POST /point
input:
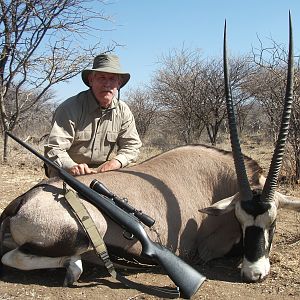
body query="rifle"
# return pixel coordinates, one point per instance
(100, 188)
(183, 275)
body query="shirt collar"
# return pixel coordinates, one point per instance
(94, 105)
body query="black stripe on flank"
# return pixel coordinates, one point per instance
(67, 245)
(254, 243)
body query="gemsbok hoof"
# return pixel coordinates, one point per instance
(74, 270)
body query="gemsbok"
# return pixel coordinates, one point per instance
(236, 203)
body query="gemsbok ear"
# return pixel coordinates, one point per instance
(287, 202)
(221, 207)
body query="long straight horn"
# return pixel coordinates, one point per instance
(242, 178)
(271, 181)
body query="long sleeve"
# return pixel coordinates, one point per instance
(128, 142)
(60, 139)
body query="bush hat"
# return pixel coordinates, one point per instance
(108, 63)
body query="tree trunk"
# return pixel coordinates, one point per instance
(4, 147)
(297, 164)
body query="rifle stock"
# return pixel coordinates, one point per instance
(183, 275)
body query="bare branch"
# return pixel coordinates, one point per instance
(42, 43)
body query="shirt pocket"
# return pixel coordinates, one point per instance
(83, 136)
(110, 143)
(111, 137)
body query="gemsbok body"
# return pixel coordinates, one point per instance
(236, 203)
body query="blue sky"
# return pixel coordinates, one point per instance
(149, 29)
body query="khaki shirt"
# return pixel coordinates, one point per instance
(82, 132)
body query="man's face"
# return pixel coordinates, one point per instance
(104, 86)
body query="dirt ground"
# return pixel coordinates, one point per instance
(223, 280)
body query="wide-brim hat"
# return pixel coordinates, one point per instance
(108, 63)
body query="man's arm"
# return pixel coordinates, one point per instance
(128, 141)
(60, 140)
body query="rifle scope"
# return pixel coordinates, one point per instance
(101, 189)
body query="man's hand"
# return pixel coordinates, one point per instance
(81, 169)
(109, 165)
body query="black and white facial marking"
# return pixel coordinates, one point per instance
(257, 219)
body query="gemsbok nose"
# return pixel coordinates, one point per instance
(255, 272)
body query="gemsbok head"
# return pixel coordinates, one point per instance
(256, 206)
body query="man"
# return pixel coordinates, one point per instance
(87, 127)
